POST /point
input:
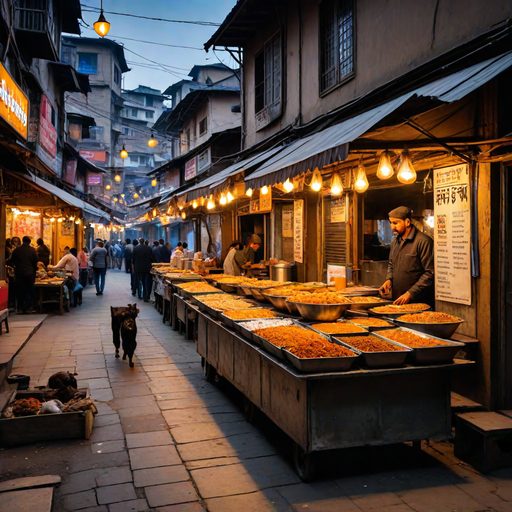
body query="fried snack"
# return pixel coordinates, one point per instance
(198, 287)
(289, 336)
(402, 308)
(319, 298)
(254, 325)
(337, 328)
(264, 283)
(246, 314)
(429, 317)
(25, 407)
(366, 300)
(233, 280)
(370, 322)
(370, 344)
(223, 301)
(317, 350)
(411, 339)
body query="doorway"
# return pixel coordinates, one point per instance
(255, 224)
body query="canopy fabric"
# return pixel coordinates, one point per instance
(331, 144)
(88, 209)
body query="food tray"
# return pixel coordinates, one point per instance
(269, 347)
(228, 288)
(292, 308)
(257, 293)
(372, 328)
(232, 324)
(444, 330)
(310, 326)
(246, 289)
(380, 359)
(392, 315)
(321, 364)
(320, 312)
(430, 355)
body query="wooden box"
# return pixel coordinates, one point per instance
(44, 427)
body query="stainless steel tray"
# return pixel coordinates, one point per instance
(278, 301)
(444, 331)
(310, 326)
(430, 355)
(321, 364)
(392, 315)
(372, 328)
(269, 347)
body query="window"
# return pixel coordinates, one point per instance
(267, 82)
(203, 159)
(203, 125)
(125, 130)
(88, 63)
(117, 75)
(149, 101)
(96, 133)
(134, 112)
(149, 114)
(337, 42)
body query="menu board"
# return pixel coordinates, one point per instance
(298, 230)
(338, 210)
(452, 234)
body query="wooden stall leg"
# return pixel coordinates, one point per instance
(209, 372)
(304, 463)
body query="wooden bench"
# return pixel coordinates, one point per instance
(4, 319)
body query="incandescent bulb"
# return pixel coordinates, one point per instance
(249, 192)
(336, 185)
(223, 200)
(361, 184)
(316, 180)
(385, 169)
(406, 173)
(264, 190)
(288, 185)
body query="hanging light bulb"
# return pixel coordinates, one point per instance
(406, 173)
(60, 219)
(183, 215)
(101, 26)
(336, 185)
(264, 190)
(210, 205)
(154, 212)
(115, 198)
(316, 180)
(288, 186)
(223, 199)
(78, 222)
(117, 178)
(152, 141)
(108, 186)
(123, 153)
(122, 195)
(52, 219)
(249, 192)
(154, 182)
(136, 195)
(194, 204)
(361, 183)
(385, 169)
(230, 197)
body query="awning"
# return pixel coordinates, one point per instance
(93, 212)
(331, 144)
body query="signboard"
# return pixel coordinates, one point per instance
(452, 234)
(266, 201)
(335, 271)
(338, 210)
(190, 169)
(70, 172)
(298, 229)
(287, 221)
(94, 155)
(94, 178)
(47, 132)
(13, 103)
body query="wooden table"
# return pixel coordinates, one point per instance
(51, 292)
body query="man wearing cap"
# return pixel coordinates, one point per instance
(410, 275)
(244, 259)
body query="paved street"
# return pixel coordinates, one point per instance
(167, 440)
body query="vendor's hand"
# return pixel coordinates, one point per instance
(385, 289)
(403, 299)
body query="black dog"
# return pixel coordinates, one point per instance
(129, 338)
(119, 315)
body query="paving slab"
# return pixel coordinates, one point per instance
(33, 500)
(171, 494)
(140, 505)
(160, 475)
(113, 475)
(267, 501)
(157, 438)
(116, 493)
(153, 456)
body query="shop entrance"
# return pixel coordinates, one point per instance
(259, 225)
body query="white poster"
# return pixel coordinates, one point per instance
(338, 210)
(452, 234)
(298, 229)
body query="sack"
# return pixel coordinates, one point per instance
(78, 288)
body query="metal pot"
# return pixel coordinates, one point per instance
(187, 264)
(283, 272)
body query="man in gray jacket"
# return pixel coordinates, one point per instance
(98, 257)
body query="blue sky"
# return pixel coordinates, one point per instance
(178, 60)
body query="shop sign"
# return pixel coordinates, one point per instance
(452, 234)
(14, 103)
(298, 228)
(47, 132)
(70, 172)
(338, 210)
(287, 221)
(94, 178)
(190, 169)
(266, 201)
(94, 155)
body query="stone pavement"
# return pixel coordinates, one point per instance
(166, 440)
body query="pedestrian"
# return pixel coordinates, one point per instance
(128, 249)
(98, 257)
(230, 267)
(410, 274)
(118, 254)
(134, 283)
(69, 262)
(24, 262)
(156, 251)
(43, 253)
(143, 257)
(83, 265)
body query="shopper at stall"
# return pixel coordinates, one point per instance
(163, 253)
(178, 251)
(410, 275)
(128, 250)
(98, 258)
(69, 262)
(143, 257)
(245, 258)
(230, 267)
(43, 253)
(24, 262)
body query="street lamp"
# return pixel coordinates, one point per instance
(102, 26)
(123, 153)
(152, 141)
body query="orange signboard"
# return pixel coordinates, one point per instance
(13, 103)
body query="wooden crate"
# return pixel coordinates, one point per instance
(44, 427)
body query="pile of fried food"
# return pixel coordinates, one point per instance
(370, 344)
(233, 280)
(337, 328)
(319, 298)
(430, 317)
(402, 308)
(366, 300)
(223, 302)
(198, 287)
(303, 343)
(263, 283)
(411, 339)
(249, 313)
(370, 322)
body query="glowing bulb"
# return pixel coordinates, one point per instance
(230, 197)
(406, 173)
(152, 142)
(78, 222)
(72, 217)
(108, 186)
(60, 219)
(288, 186)
(135, 195)
(116, 199)
(210, 205)
(154, 212)
(264, 190)
(117, 178)
(385, 169)
(183, 215)
(101, 26)
(361, 184)
(316, 181)
(249, 192)
(223, 199)
(336, 185)
(52, 219)
(123, 153)
(194, 204)
(154, 182)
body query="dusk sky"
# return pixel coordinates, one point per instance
(177, 61)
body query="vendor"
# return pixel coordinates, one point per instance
(229, 266)
(410, 275)
(244, 258)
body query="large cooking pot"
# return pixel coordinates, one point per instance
(283, 272)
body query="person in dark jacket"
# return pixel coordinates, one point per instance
(142, 258)
(163, 253)
(410, 276)
(24, 261)
(128, 250)
(43, 253)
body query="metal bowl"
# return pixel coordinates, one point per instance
(228, 288)
(444, 330)
(257, 293)
(246, 290)
(320, 312)
(278, 301)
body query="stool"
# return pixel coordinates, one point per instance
(4, 319)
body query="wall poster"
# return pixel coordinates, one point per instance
(452, 234)
(298, 229)
(287, 221)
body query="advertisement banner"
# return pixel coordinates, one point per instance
(298, 229)
(190, 169)
(94, 155)
(47, 132)
(14, 105)
(94, 178)
(70, 172)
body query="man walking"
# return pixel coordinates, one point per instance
(98, 258)
(128, 249)
(142, 258)
(24, 261)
